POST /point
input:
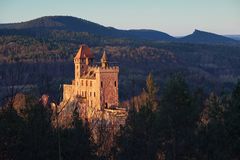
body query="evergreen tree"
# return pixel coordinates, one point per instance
(76, 141)
(176, 120)
(211, 132)
(232, 119)
(11, 134)
(152, 91)
(39, 138)
(136, 140)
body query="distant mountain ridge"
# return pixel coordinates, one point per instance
(236, 37)
(74, 24)
(206, 37)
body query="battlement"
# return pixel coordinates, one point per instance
(104, 69)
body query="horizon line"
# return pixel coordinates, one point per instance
(136, 28)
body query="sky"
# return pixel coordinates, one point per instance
(175, 17)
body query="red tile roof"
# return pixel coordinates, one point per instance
(84, 52)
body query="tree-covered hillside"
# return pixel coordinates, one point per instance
(47, 53)
(205, 65)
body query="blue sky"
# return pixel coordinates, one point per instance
(176, 17)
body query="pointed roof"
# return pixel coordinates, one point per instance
(84, 52)
(104, 57)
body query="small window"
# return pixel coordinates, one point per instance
(90, 94)
(101, 84)
(90, 83)
(91, 103)
(106, 105)
(94, 94)
(82, 82)
(85, 93)
(86, 83)
(115, 84)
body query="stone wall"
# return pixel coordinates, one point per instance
(109, 87)
(67, 91)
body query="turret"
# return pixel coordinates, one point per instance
(104, 61)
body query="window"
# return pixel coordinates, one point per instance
(94, 94)
(90, 94)
(82, 82)
(106, 105)
(90, 83)
(101, 84)
(115, 84)
(85, 93)
(86, 83)
(91, 104)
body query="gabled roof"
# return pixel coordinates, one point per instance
(84, 52)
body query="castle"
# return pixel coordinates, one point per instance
(94, 94)
(96, 84)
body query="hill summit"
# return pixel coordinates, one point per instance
(74, 24)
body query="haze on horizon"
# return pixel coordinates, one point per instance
(175, 17)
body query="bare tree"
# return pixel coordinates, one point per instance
(14, 80)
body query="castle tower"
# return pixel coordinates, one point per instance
(82, 60)
(77, 67)
(108, 83)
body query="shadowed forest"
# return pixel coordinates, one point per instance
(177, 124)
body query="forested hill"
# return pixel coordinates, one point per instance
(74, 24)
(39, 43)
(68, 23)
